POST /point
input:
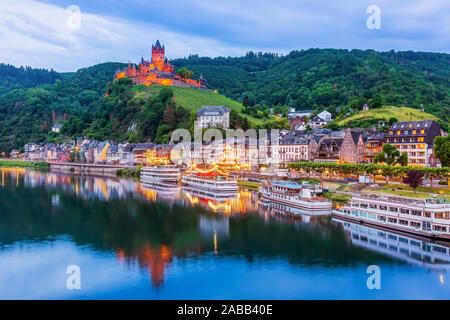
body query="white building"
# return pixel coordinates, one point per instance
(325, 115)
(213, 116)
(300, 114)
(317, 122)
(291, 148)
(57, 127)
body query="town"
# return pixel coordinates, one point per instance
(351, 145)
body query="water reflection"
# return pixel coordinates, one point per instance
(173, 235)
(414, 250)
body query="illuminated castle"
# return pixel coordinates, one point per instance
(157, 71)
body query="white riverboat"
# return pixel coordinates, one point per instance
(210, 187)
(295, 195)
(413, 249)
(426, 217)
(160, 174)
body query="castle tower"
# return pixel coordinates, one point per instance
(158, 55)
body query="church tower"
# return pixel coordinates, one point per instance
(158, 55)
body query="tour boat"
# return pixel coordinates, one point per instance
(160, 173)
(295, 195)
(210, 187)
(428, 217)
(410, 248)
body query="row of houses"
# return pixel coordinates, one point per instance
(352, 145)
(95, 152)
(357, 145)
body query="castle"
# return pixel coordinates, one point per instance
(157, 71)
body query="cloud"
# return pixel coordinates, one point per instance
(35, 33)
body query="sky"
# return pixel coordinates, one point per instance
(54, 34)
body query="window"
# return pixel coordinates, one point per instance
(414, 131)
(420, 139)
(440, 228)
(392, 220)
(403, 222)
(422, 131)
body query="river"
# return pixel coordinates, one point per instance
(131, 242)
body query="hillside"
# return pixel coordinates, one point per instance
(384, 114)
(327, 78)
(25, 77)
(192, 99)
(32, 100)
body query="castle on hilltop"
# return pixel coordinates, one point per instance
(157, 71)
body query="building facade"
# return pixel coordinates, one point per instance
(416, 139)
(213, 116)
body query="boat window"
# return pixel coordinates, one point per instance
(403, 222)
(416, 213)
(392, 237)
(414, 243)
(404, 211)
(439, 249)
(384, 208)
(392, 209)
(392, 220)
(440, 228)
(401, 239)
(414, 224)
(373, 206)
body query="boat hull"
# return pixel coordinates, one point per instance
(312, 206)
(387, 226)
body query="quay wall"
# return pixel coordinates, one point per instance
(85, 169)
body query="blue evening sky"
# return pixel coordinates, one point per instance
(36, 33)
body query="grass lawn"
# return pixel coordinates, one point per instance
(250, 185)
(193, 99)
(401, 113)
(406, 191)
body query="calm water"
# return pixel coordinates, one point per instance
(133, 242)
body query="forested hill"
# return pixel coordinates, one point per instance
(327, 78)
(24, 77)
(32, 100)
(28, 114)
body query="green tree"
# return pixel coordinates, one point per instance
(441, 149)
(390, 155)
(185, 73)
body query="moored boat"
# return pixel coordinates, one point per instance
(428, 217)
(295, 195)
(160, 173)
(212, 187)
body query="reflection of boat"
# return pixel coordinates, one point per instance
(426, 217)
(163, 189)
(288, 211)
(412, 249)
(162, 173)
(295, 195)
(210, 187)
